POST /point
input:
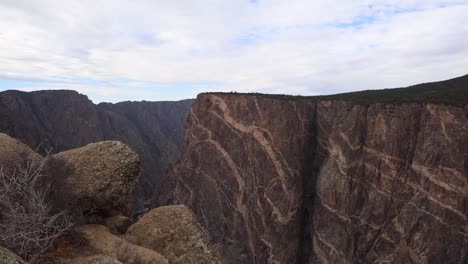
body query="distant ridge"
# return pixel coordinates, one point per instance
(60, 120)
(450, 92)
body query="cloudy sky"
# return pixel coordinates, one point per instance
(115, 50)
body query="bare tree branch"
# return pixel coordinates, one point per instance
(28, 225)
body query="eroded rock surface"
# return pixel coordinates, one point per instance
(14, 153)
(98, 176)
(281, 180)
(8, 257)
(96, 259)
(101, 241)
(174, 232)
(117, 224)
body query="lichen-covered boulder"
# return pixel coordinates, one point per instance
(13, 153)
(102, 241)
(95, 259)
(117, 224)
(98, 176)
(174, 232)
(8, 257)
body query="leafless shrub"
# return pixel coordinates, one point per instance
(28, 223)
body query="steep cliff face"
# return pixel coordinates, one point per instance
(152, 129)
(392, 185)
(63, 120)
(307, 180)
(241, 172)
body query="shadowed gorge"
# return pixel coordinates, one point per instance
(279, 179)
(62, 120)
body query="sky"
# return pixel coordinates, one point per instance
(118, 50)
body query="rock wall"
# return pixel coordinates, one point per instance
(62, 120)
(392, 186)
(302, 180)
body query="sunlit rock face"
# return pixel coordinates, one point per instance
(305, 180)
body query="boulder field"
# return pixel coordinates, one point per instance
(94, 183)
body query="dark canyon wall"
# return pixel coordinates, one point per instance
(62, 120)
(326, 180)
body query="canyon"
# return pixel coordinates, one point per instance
(59, 120)
(376, 176)
(369, 177)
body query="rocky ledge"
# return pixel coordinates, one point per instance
(93, 184)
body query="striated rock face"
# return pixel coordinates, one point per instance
(392, 184)
(241, 172)
(97, 176)
(298, 180)
(175, 233)
(64, 120)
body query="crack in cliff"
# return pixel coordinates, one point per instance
(447, 117)
(258, 108)
(311, 165)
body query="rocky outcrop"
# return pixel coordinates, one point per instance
(8, 257)
(117, 224)
(101, 241)
(96, 259)
(98, 176)
(174, 232)
(62, 120)
(313, 180)
(13, 153)
(168, 234)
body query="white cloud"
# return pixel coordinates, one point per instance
(297, 47)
